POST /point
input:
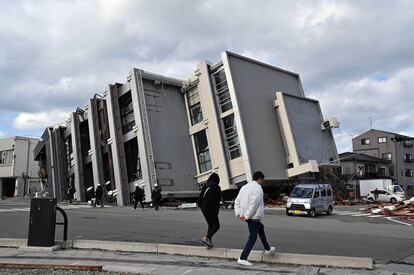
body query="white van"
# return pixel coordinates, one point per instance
(310, 199)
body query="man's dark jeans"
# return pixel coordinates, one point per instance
(255, 228)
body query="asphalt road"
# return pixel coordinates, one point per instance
(345, 233)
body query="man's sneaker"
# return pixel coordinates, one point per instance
(207, 241)
(244, 262)
(270, 251)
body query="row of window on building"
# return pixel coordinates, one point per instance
(367, 141)
(224, 104)
(406, 157)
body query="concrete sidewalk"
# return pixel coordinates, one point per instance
(146, 263)
(141, 258)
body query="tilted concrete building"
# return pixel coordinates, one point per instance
(233, 118)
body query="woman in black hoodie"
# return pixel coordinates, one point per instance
(209, 201)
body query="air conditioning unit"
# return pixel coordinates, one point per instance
(330, 123)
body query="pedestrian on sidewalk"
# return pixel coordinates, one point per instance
(156, 196)
(209, 202)
(99, 195)
(138, 196)
(249, 207)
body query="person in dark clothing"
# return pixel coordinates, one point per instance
(376, 192)
(99, 194)
(138, 196)
(156, 196)
(209, 202)
(71, 192)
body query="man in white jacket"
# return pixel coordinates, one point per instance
(249, 207)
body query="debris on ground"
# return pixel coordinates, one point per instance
(404, 209)
(274, 203)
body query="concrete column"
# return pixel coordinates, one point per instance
(237, 119)
(144, 150)
(112, 106)
(211, 118)
(93, 138)
(77, 156)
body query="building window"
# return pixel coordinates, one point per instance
(408, 172)
(68, 152)
(6, 157)
(194, 106)
(360, 170)
(232, 138)
(387, 156)
(222, 90)
(132, 160)
(126, 112)
(381, 171)
(365, 141)
(408, 144)
(408, 157)
(203, 153)
(382, 140)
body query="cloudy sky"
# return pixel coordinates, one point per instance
(355, 57)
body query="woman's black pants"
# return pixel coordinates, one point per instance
(213, 223)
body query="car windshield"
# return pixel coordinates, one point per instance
(398, 189)
(302, 192)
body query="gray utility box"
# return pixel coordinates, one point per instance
(42, 222)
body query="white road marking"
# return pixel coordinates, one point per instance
(361, 215)
(347, 213)
(391, 219)
(375, 216)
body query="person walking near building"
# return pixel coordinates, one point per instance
(249, 207)
(138, 196)
(99, 194)
(156, 196)
(209, 201)
(71, 192)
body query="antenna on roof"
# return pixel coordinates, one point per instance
(370, 121)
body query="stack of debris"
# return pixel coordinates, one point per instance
(280, 201)
(404, 210)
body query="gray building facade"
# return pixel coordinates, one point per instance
(18, 170)
(380, 144)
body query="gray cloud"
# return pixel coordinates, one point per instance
(54, 55)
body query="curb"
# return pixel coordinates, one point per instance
(200, 251)
(48, 266)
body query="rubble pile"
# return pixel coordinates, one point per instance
(404, 210)
(273, 203)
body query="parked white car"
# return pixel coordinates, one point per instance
(385, 196)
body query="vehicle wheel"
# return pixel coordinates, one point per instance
(393, 200)
(329, 212)
(312, 213)
(371, 199)
(287, 212)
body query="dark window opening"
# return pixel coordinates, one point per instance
(68, 152)
(127, 112)
(132, 160)
(222, 90)
(194, 106)
(232, 138)
(203, 153)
